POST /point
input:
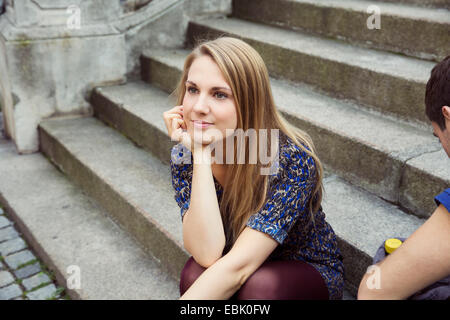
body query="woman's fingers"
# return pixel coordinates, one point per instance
(174, 120)
(170, 116)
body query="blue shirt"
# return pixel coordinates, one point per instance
(285, 215)
(444, 199)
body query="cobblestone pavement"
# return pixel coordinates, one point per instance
(22, 275)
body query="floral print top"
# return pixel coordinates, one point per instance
(285, 215)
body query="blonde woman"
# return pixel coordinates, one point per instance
(252, 235)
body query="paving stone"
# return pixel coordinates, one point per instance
(4, 222)
(42, 293)
(8, 233)
(28, 270)
(10, 292)
(11, 246)
(6, 278)
(36, 280)
(16, 259)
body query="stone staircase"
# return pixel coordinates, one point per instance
(359, 93)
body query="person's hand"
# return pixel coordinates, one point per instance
(176, 126)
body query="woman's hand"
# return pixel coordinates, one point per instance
(176, 126)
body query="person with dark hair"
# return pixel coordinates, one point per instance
(424, 258)
(437, 102)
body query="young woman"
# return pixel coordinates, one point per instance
(251, 235)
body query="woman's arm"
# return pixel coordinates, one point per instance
(203, 232)
(229, 273)
(421, 260)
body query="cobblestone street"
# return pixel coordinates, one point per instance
(22, 275)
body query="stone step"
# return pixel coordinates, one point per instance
(385, 81)
(131, 173)
(410, 30)
(130, 183)
(67, 228)
(366, 149)
(423, 3)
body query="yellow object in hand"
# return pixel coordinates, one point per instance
(390, 245)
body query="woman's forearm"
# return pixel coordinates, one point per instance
(218, 282)
(203, 232)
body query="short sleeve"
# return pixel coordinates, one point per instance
(181, 169)
(444, 199)
(288, 196)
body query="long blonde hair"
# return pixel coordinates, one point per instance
(246, 73)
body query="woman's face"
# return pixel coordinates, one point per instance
(208, 98)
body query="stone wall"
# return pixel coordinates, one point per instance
(56, 51)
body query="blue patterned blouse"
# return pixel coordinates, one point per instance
(285, 215)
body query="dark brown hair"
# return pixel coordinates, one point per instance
(437, 93)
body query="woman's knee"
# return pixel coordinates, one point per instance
(284, 280)
(191, 271)
(262, 285)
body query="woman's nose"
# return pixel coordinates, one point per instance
(201, 105)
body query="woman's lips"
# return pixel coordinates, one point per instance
(201, 125)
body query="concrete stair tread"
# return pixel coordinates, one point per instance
(427, 163)
(66, 228)
(132, 172)
(421, 3)
(378, 61)
(363, 219)
(394, 9)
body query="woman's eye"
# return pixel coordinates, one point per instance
(192, 90)
(220, 95)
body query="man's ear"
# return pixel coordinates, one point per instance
(446, 112)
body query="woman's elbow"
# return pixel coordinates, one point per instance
(205, 257)
(206, 263)
(204, 260)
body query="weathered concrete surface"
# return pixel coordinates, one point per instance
(6, 98)
(389, 82)
(163, 24)
(424, 178)
(425, 3)
(362, 223)
(131, 184)
(127, 109)
(419, 32)
(54, 64)
(41, 13)
(66, 228)
(58, 86)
